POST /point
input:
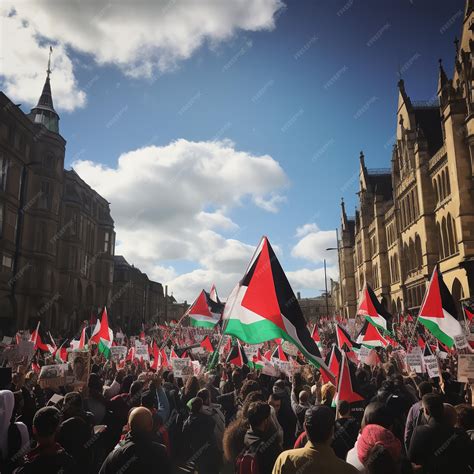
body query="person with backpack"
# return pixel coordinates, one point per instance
(262, 445)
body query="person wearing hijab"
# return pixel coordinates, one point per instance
(14, 437)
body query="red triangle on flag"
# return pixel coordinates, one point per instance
(200, 306)
(260, 297)
(469, 314)
(207, 344)
(281, 354)
(366, 305)
(432, 306)
(315, 334)
(345, 390)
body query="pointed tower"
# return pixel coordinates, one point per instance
(44, 112)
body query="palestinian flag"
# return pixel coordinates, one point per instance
(42, 341)
(438, 311)
(237, 356)
(315, 336)
(370, 336)
(164, 359)
(200, 313)
(141, 336)
(257, 361)
(280, 354)
(131, 354)
(333, 361)
(60, 354)
(103, 335)
(263, 307)
(346, 384)
(469, 313)
(82, 340)
(173, 354)
(207, 344)
(373, 311)
(344, 341)
(156, 356)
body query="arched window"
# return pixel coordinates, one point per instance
(440, 241)
(435, 190)
(444, 232)
(415, 204)
(419, 256)
(453, 245)
(448, 184)
(395, 266)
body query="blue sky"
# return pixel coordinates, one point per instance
(310, 84)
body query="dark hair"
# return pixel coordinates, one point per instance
(203, 394)
(465, 417)
(433, 404)
(195, 405)
(191, 388)
(149, 400)
(319, 423)
(136, 387)
(257, 413)
(380, 461)
(46, 421)
(343, 407)
(376, 413)
(247, 387)
(94, 382)
(424, 388)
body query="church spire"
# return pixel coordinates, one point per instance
(44, 111)
(442, 78)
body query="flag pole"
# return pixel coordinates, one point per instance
(213, 362)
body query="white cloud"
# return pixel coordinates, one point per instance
(306, 229)
(270, 204)
(311, 279)
(24, 62)
(313, 244)
(161, 200)
(143, 38)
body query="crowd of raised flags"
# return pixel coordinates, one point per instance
(262, 317)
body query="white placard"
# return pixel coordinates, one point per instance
(118, 353)
(141, 351)
(415, 359)
(460, 341)
(465, 367)
(251, 351)
(182, 367)
(282, 366)
(7, 340)
(363, 354)
(432, 367)
(196, 367)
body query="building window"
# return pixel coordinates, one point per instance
(45, 199)
(106, 242)
(3, 172)
(7, 262)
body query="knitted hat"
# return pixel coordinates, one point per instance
(373, 435)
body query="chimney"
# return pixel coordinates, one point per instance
(298, 295)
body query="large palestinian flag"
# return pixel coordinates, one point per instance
(347, 389)
(103, 336)
(263, 307)
(200, 312)
(438, 312)
(369, 336)
(373, 311)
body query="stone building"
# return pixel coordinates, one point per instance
(135, 298)
(56, 233)
(419, 212)
(315, 308)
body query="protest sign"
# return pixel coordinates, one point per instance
(52, 376)
(460, 341)
(282, 366)
(79, 366)
(118, 353)
(182, 367)
(26, 349)
(7, 340)
(363, 354)
(466, 368)
(432, 367)
(141, 351)
(196, 367)
(415, 359)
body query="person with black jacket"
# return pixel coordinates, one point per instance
(139, 452)
(261, 439)
(437, 446)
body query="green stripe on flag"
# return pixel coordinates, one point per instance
(104, 348)
(436, 331)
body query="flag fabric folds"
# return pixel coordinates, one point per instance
(438, 311)
(373, 311)
(263, 307)
(200, 312)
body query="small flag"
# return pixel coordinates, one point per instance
(373, 311)
(207, 344)
(237, 356)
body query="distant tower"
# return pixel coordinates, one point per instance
(44, 111)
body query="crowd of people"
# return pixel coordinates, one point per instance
(229, 419)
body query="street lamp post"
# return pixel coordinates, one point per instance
(326, 288)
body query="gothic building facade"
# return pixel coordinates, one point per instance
(56, 233)
(420, 212)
